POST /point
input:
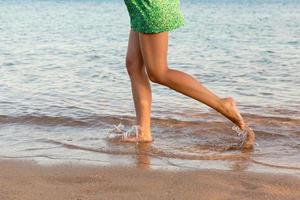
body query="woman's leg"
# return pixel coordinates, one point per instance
(154, 48)
(140, 86)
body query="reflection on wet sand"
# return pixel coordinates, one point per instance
(244, 162)
(142, 157)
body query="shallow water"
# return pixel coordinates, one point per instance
(64, 85)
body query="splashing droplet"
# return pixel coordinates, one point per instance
(247, 137)
(119, 132)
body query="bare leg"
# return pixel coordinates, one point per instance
(140, 86)
(154, 48)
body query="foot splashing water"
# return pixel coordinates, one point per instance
(118, 133)
(247, 137)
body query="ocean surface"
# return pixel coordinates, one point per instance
(64, 85)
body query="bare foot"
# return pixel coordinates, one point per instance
(137, 135)
(249, 140)
(137, 139)
(230, 111)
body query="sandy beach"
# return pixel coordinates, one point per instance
(26, 180)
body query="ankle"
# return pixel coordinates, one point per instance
(144, 132)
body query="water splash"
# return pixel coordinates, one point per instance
(247, 137)
(241, 133)
(119, 132)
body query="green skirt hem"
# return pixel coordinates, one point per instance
(158, 30)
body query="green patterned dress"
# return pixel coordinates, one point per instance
(154, 16)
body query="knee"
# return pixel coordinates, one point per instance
(157, 77)
(133, 66)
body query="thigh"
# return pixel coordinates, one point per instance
(133, 56)
(154, 49)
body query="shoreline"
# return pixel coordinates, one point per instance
(25, 179)
(243, 162)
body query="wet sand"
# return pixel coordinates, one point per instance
(26, 180)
